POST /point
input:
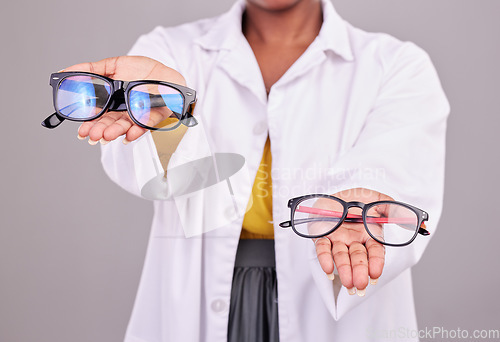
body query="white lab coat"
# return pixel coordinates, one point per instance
(357, 109)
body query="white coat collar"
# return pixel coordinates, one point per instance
(226, 32)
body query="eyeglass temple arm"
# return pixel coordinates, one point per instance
(288, 224)
(52, 121)
(158, 101)
(118, 100)
(354, 218)
(190, 120)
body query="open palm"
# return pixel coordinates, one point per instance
(111, 125)
(355, 254)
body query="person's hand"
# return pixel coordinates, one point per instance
(356, 255)
(111, 125)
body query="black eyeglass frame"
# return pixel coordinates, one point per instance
(294, 202)
(118, 100)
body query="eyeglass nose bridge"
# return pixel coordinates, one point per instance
(119, 85)
(355, 204)
(118, 96)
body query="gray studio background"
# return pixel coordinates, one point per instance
(72, 243)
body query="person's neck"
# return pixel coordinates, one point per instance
(297, 25)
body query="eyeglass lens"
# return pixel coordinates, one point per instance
(317, 216)
(389, 223)
(82, 97)
(156, 106)
(152, 105)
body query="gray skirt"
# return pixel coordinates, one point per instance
(253, 314)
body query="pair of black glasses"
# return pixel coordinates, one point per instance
(154, 105)
(390, 223)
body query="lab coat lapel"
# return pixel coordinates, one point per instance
(235, 56)
(310, 59)
(241, 65)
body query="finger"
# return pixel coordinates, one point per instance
(110, 127)
(84, 129)
(117, 128)
(359, 264)
(108, 119)
(325, 257)
(376, 258)
(343, 262)
(135, 132)
(103, 123)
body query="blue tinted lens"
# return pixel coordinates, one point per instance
(82, 97)
(175, 102)
(140, 105)
(156, 106)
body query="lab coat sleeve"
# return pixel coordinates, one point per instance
(132, 166)
(400, 152)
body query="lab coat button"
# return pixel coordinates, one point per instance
(260, 128)
(218, 305)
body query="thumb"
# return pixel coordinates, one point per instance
(130, 68)
(105, 67)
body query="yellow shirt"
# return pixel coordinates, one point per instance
(257, 223)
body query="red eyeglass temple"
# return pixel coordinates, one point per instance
(331, 213)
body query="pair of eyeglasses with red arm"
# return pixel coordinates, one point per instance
(387, 222)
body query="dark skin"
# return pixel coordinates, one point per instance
(279, 31)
